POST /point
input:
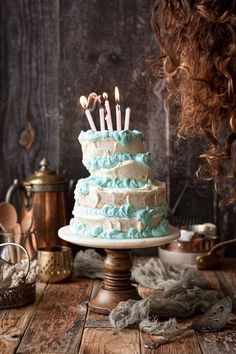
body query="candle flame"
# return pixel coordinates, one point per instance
(83, 101)
(105, 96)
(117, 94)
(92, 101)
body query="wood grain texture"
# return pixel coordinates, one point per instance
(57, 325)
(52, 51)
(93, 319)
(29, 86)
(14, 322)
(212, 279)
(103, 341)
(101, 47)
(185, 345)
(227, 279)
(223, 341)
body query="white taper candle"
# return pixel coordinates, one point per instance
(84, 104)
(118, 112)
(108, 109)
(127, 118)
(118, 117)
(90, 120)
(102, 118)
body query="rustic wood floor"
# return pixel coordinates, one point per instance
(59, 322)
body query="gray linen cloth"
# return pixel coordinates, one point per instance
(185, 292)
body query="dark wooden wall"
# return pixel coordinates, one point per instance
(52, 51)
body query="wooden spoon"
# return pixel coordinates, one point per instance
(8, 219)
(8, 216)
(17, 234)
(7, 254)
(26, 225)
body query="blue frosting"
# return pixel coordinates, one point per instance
(124, 211)
(124, 137)
(162, 229)
(111, 161)
(83, 184)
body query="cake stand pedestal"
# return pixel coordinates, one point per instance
(116, 285)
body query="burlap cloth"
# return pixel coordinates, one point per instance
(185, 292)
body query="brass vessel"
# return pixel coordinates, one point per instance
(55, 264)
(44, 197)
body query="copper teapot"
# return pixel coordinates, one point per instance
(45, 197)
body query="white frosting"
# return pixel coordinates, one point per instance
(151, 196)
(121, 224)
(127, 169)
(108, 147)
(138, 198)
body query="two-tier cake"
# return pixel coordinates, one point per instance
(120, 199)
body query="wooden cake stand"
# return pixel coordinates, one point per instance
(116, 285)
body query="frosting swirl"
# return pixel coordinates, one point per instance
(124, 137)
(83, 184)
(162, 229)
(111, 161)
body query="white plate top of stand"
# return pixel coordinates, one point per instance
(66, 234)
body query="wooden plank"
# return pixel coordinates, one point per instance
(13, 323)
(227, 278)
(103, 341)
(58, 322)
(221, 342)
(88, 46)
(96, 320)
(212, 279)
(29, 60)
(100, 48)
(185, 345)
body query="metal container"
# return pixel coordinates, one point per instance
(185, 251)
(44, 197)
(55, 264)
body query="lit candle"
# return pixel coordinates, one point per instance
(118, 112)
(127, 118)
(102, 118)
(84, 104)
(108, 115)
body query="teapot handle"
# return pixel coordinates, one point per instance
(13, 188)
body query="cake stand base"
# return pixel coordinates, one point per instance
(116, 286)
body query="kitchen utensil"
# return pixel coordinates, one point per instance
(195, 240)
(17, 237)
(26, 224)
(44, 197)
(213, 258)
(8, 216)
(8, 220)
(55, 264)
(213, 320)
(26, 229)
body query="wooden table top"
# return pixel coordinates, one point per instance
(59, 322)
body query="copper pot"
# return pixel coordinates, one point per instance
(44, 197)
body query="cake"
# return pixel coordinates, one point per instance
(120, 199)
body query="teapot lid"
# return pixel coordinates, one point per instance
(45, 176)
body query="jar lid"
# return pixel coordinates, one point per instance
(44, 176)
